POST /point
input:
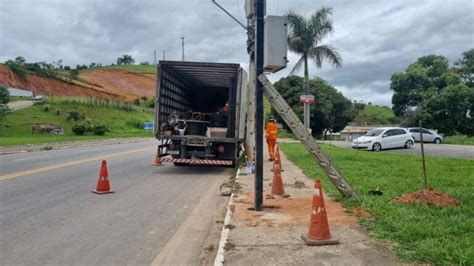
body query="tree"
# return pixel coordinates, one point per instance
(429, 74)
(465, 67)
(125, 60)
(4, 99)
(305, 37)
(429, 91)
(331, 112)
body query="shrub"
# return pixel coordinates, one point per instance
(100, 129)
(136, 123)
(46, 108)
(58, 112)
(79, 129)
(75, 115)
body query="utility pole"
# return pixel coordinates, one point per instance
(182, 48)
(164, 55)
(259, 120)
(154, 56)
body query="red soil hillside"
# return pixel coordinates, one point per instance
(106, 83)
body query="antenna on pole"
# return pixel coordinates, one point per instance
(182, 48)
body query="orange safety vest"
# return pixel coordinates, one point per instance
(271, 132)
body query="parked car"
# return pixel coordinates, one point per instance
(384, 138)
(428, 136)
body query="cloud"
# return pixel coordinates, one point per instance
(375, 38)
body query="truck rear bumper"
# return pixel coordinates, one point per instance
(197, 161)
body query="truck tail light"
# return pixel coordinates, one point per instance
(221, 149)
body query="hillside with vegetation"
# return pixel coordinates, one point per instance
(368, 114)
(124, 82)
(79, 118)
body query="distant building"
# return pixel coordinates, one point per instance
(351, 132)
(19, 92)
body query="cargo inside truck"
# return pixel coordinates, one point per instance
(199, 113)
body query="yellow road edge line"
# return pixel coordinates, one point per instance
(56, 166)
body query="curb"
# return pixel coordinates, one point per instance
(220, 259)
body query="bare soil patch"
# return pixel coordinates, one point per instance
(428, 197)
(287, 212)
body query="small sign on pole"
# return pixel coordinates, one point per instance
(307, 98)
(148, 126)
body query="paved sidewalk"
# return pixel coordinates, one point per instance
(273, 236)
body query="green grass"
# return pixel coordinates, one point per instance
(420, 234)
(459, 139)
(140, 69)
(122, 122)
(20, 98)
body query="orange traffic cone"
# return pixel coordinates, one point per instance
(277, 183)
(103, 185)
(318, 233)
(277, 159)
(157, 161)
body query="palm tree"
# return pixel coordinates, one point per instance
(304, 38)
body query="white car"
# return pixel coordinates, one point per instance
(428, 136)
(384, 138)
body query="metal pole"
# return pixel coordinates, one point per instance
(154, 56)
(164, 55)
(182, 48)
(260, 10)
(423, 154)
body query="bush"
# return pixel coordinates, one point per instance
(100, 129)
(75, 115)
(135, 123)
(79, 129)
(58, 112)
(46, 108)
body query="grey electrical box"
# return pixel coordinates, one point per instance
(275, 43)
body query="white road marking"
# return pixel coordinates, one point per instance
(31, 158)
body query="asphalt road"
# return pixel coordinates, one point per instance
(48, 214)
(431, 149)
(17, 105)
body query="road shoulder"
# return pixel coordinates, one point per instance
(196, 238)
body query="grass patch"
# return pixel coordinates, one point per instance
(20, 98)
(16, 127)
(140, 69)
(421, 234)
(459, 139)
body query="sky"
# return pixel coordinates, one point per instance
(375, 38)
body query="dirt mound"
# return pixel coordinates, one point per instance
(103, 83)
(429, 197)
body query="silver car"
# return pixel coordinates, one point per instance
(428, 136)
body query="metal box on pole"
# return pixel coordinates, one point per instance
(275, 50)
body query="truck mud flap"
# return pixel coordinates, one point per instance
(197, 161)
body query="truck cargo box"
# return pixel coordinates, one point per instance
(200, 112)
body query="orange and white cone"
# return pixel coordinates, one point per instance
(277, 182)
(277, 159)
(318, 233)
(157, 161)
(103, 185)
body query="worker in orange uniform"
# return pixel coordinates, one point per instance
(271, 134)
